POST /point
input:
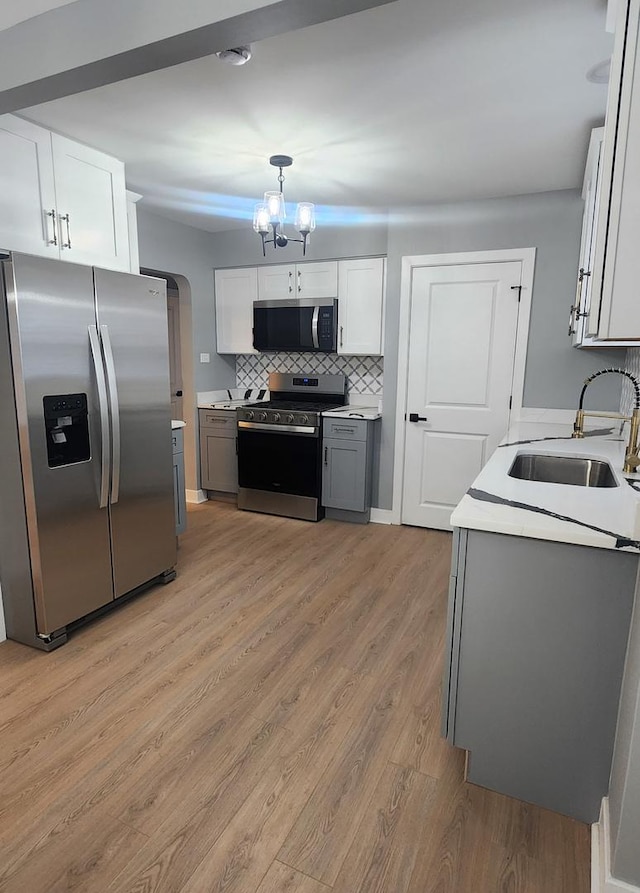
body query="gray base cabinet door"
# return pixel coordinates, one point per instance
(344, 475)
(180, 499)
(179, 484)
(537, 640)
(218, 455)
(219, 464)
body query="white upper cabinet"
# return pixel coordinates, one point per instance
(92, 205)
(360, 306)
(61, 199)
(615, 309)
(313, 280)
(276, 282)
(236, 290)
(29, 220)
(317, 280)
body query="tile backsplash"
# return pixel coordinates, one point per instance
(364, 374)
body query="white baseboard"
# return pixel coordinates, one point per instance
(196, 496)
(601, 879)
(383, 516)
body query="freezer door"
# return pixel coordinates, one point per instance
(132, 317)
(51, 311)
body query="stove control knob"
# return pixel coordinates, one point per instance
(304, 419)
(262, 416)
(275, 417)
(290, 419)
(250, 414)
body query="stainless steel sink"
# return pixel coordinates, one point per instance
(563, 470)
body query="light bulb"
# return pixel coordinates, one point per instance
(261, 218)
(305, 217)
(275, 203)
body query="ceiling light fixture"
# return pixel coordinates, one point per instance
(270, 214)
(235, 56)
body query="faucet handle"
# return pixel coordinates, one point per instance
(578, 425)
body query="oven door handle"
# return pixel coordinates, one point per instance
(314, 327)
(299, 430)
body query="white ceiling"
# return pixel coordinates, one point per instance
(12, 12)
(408, 103)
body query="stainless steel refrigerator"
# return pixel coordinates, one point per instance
(86, 477)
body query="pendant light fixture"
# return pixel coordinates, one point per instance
(270, 214)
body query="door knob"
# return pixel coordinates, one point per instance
(414, 417)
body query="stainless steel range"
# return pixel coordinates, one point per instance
(280, 445)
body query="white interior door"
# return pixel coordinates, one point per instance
(461, 353)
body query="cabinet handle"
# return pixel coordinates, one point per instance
(65, 218)
(290, 285)
(326, 455)
(341, 331)
(52, 214)
(572, 316)
(299, 285)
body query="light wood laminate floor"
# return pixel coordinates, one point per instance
(269, 722)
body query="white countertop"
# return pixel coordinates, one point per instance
(232, 398)
(605, 517)
(354, 411)
(177, 423)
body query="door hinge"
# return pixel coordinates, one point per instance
(517, 288)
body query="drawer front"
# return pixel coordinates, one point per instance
(218, 423)
(347, 430)
(178, 440)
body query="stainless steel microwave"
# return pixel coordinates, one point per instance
(296, 324)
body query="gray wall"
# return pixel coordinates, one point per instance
(550, 222)
(185, 251)
(242, 248)
(624, 792)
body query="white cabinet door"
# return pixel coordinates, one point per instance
(276, 282)
(91, 204)
(317, 280)
(236, 290)
(360, 304)
(28, 222)
(615, 309)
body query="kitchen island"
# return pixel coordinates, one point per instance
(541, 593)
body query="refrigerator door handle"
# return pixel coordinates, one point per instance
(115, 414)
(105, 461)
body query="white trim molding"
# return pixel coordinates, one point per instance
(382, 516)
(527, 257)
(196, 496)
(601, 879)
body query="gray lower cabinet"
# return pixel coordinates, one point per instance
(180, 497)
(536, 635)
(347, 451)
(218, 457)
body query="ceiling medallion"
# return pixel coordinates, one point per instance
(270, 214)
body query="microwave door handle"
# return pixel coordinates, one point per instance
(314, 327)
